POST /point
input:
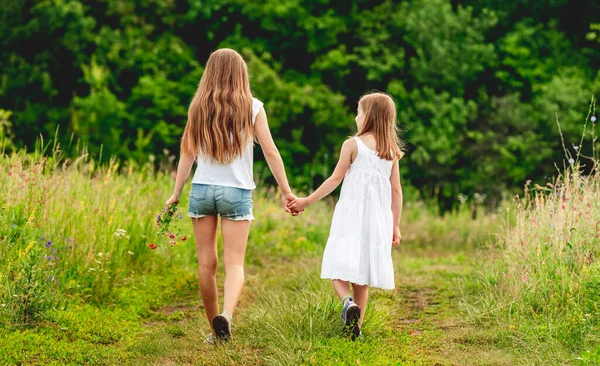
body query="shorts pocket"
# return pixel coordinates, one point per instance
(199, 192)
(232, 195)
(247, 196)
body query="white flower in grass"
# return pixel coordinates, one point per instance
(575, 147)
(120, 232)
(571, 161)
(593, 119)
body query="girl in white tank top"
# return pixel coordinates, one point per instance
(219, 136)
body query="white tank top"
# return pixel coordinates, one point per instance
(236, 174)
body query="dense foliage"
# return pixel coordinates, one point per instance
(477, 83)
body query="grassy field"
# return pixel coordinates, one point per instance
(80, 284)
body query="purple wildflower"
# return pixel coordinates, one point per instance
(48, 244)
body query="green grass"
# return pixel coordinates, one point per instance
(104, 297)
(543, 281)
(287, 316)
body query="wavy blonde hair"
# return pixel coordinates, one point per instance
(380, 120)
(219, 124)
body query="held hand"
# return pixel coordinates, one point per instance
(286, 198)
(172, 200)
(298, 205)
(396, 237)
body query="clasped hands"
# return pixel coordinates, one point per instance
(293, 204)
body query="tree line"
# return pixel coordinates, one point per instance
(477, 83)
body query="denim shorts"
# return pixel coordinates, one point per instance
(228, 202)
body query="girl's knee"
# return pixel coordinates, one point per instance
(208, 266)
(234, 267)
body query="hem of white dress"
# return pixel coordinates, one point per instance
(360, 283)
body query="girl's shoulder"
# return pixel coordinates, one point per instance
(256, 103)
(350, 143)
(256, 107)
(352, 147)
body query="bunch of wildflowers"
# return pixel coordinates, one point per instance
(168, 232)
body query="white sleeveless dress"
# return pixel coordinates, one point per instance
(359, 248)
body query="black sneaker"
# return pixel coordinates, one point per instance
(350, 316)
(222, 326)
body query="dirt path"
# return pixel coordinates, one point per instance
(428, 309)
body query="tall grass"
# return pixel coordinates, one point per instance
(423, 227)
(82, 227)
(75, 230)
(542, 281)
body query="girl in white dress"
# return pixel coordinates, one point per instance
(366, 220)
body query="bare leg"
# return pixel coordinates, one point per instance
(205, 231)
(342, 289)
(361, 297)
(235, 239)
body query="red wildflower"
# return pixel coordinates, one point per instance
(152, 246)
(172, 236)
(184, 238)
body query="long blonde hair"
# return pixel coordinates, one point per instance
(219, 124)
(380, 120)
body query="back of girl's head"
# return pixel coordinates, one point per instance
(219, 124)
(379, 114)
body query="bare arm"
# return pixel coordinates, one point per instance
(183, 171)
(348, 150)
(396, 202)
(271, 153)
